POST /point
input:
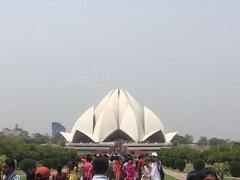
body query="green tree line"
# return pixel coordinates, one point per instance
(39, 148)
(225, 156)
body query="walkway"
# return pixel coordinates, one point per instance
(177, 175)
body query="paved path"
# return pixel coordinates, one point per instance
(177, 175)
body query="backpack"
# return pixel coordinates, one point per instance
(160, 169)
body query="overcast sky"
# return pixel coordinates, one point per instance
(181, 59)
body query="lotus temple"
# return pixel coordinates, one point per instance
(118, 116)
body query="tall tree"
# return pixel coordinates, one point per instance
(178, 140)
(216, 141)
(203, 141)
(189, 138)
(38, 138)
(58, 139)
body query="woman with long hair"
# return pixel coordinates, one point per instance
(146, 169)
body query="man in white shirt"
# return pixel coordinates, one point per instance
(155, 172)
(100, 167)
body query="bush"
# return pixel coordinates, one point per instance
(234, 168)
(172, 163)
(166, 162)
(198, 164)
(2, 158)
(180, 164)
(221, 169)
(47, 163)
(55, 162)
(27, 164)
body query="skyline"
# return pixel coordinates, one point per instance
(180, 59)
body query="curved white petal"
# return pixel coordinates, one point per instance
(113, 104)
(129, 124)
(136, 107)
(101, 106)
(84, 123)
(67, 136)
(123, 104)
(170, 136)
(157, 135)
(148, 135)
(152, 122)
(105, 125)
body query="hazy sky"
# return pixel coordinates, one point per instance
(179, 58)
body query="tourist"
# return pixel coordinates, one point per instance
(208, 173)
(130, 171)
(30, 173)
(124, 167)
(73, 170)
(146, 169)
(42, 173)
(87, 168)
(100, 167)
(116, 168)
(193, 175)
(110, 168)
(8, 170)
(139, 167)
(156, 168)
(59, 175)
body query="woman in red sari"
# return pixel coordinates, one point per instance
(117, 169)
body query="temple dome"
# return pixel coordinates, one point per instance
(118, 116)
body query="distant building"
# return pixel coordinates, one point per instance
(14, 132)
(57, 128)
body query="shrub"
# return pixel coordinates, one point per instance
(198, 164)
(55, 162)
(234, 168)
(172, 163)
(166, 162)
(27, 164)
(180, 164)
(221, 169)
(47, 163)
(2, 158)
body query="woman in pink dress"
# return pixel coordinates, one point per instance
(130, 171)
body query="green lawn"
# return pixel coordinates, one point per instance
(23, 177)
(231, 178)
(167, 177)
(188, 168)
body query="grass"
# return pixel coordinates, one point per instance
(231, 178)
(23, 177)
(167, 177)
(188, 168)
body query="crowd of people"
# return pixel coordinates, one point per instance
(147, 167)
(97, 167)
(104, 167)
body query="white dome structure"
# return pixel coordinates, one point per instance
(118, 116)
